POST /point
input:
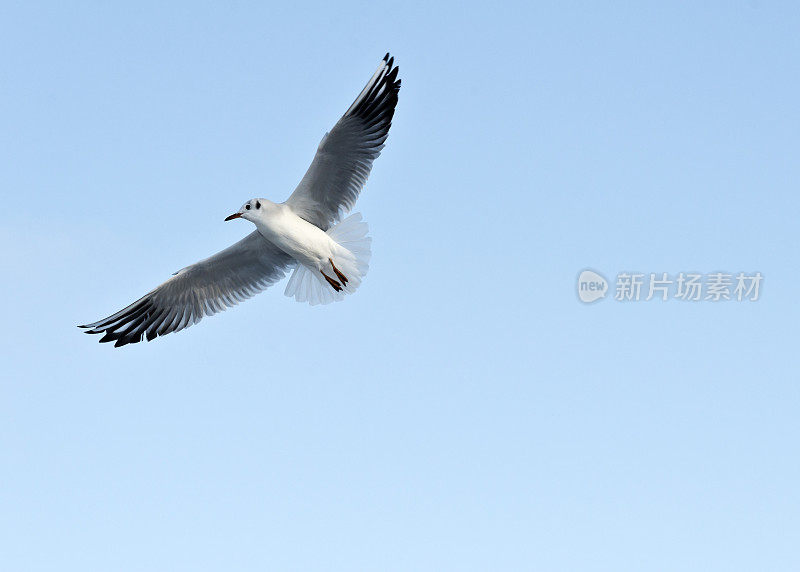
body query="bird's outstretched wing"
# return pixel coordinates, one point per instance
(344, 157)
(202, 289)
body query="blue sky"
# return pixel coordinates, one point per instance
(462, 411)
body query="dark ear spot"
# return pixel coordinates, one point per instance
(258, 204)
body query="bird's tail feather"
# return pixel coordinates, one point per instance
(351, 260)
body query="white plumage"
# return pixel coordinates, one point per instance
(351, 247)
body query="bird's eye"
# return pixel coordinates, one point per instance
(258, 204)
(247, 207)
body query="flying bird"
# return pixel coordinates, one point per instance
(307, 233)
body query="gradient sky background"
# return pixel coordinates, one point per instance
(463, 411)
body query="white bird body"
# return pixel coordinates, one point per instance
(306, 243)
(329, 263)
(329, 255)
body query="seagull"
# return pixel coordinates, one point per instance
(329, 254)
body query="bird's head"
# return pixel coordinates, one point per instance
(252, 210)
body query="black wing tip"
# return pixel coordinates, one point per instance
(379, 98)
(123, 338)
(123, 342)
(391, 77)
(117, 327)
(119, 339)
(389, 61)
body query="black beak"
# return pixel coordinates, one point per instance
(233, 216)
